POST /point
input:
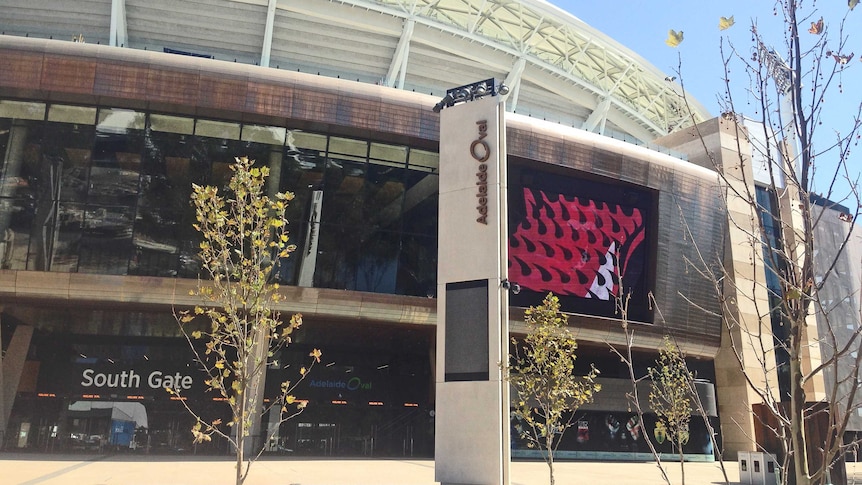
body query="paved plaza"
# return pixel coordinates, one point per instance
(35, 469)
(55, 469)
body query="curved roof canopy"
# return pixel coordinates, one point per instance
(602, 73)
(557, 67)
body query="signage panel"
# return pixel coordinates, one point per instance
(140, 380)
(470, 206)
(571, 235)
(472, 411)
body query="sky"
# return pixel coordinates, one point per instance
(642, 26)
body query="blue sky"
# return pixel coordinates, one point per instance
(642, 26)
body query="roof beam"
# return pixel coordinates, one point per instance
(598, 117)
(588, 55)
(513, 81)
(480, 12)
(266, 48)
(398, 66)
(118, 35)
(620, 79)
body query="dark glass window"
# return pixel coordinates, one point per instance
(417, 268)
(774, 267)
(164, 240)
(302, 173)
(18, 174)
(106, 240)
(105, 245)
(343, 198)
(67, 154)
(15, 218)
(106, 190)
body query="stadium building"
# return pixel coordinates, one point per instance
(111, 109)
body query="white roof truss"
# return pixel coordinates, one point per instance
(557, 42)
(118, 36)
(266, 49)
(398, 67)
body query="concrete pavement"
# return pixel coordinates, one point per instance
(81, 469)
(49, 469)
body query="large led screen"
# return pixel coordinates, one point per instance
(568, 235)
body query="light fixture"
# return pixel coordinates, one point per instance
(469, 92)
(515, 288)
(447, 100)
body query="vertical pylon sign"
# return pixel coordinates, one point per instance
(472, 443)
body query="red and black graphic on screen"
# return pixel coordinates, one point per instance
(570, 245)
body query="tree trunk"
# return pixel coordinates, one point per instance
(240, 436)
(797, 414)
(681, 460)
(549, 445)
(239, 457)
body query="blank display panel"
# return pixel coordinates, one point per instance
(466, 331)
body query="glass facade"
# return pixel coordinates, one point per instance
(770, 221)
(106, 190)
(95, 377)
(595, 435)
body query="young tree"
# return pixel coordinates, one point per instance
(670, 397)
(625, 355)
(542, 374)
(244, 236)
(796, 346)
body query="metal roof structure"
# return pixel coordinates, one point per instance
(557, 67)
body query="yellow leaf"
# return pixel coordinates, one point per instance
(302, 371)
(724, 23)
(816, 27)
(296, 320)
(219, 364)
(852, 3)
(290, 399)
(316, 354)
(196, 334)
(673, 38)
(840, 58)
